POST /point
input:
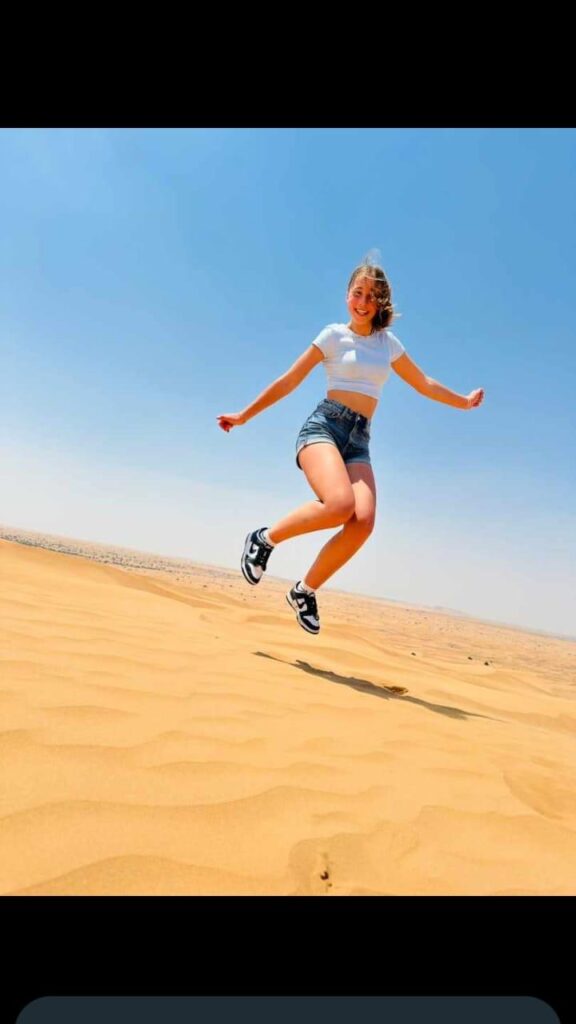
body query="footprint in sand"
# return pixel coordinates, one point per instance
(325, 872)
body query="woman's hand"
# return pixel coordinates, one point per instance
(475, 398)
(230, 419)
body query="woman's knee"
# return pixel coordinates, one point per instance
(341, 506)
(364, 519)
(365, 526)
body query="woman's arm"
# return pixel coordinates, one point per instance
(413, 375)
(275, 391)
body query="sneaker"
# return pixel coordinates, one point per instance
(305, 607)
(255, 556)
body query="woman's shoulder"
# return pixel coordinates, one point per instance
(394, 344)
(334, 331)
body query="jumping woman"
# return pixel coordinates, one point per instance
(332, 447)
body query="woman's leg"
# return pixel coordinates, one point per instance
(328, 477)
(355, 531)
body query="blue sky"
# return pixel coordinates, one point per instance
(154, 278)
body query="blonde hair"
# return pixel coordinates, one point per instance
(369, 268)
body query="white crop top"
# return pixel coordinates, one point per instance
(357, 363)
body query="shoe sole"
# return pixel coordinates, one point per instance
(252, 583)
(299, 620)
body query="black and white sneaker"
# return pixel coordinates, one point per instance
(306, 609)
(255, 556)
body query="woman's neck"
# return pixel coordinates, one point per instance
(363, 333)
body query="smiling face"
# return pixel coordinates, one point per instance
(362, 303)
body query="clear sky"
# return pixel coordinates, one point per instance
(152, 279)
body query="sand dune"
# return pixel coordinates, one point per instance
(167, 730)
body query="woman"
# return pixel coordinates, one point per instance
(332, 447)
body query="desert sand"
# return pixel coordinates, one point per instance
(165, 729)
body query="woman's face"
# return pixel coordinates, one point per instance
(361, 302)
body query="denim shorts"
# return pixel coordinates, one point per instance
(338, 425)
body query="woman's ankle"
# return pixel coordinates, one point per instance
(306, 587)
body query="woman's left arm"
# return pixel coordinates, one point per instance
(414, 376)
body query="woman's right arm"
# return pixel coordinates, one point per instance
(279, 388)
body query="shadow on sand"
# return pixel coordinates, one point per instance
(384, 692)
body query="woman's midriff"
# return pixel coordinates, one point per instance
(363, 404)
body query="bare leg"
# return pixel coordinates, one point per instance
(327, 475)
(355, 531)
